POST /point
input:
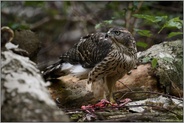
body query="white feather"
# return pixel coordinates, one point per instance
(76, 70)
(66, 66)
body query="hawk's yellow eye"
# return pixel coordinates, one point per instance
(117, 32)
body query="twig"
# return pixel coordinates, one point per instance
(125, 86)
(129, 16)
(134, 19)
(46, 20)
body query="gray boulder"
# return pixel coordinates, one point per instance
(24, 96)
(168, 57)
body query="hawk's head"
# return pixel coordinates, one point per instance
(121, 36)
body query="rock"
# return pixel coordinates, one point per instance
(27, 40)
(169, 69)
(24, 96)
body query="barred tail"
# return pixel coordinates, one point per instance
(61, 69)
(53, 71)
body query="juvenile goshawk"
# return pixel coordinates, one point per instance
(105, 57)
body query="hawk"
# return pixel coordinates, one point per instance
(103, 57)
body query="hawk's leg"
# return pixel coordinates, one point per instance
(99, 89)
(98, 82)
(110, 82)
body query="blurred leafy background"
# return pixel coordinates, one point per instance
(60, 24)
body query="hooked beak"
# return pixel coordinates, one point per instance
(106, 35)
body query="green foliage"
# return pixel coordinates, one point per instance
(75, 116)
(151, 18)
(52, 12)
(172, 34)
(119, 14)
(154, 63)
(104, 23)
(158, 20)
(146, 33)
(19, 26)
(141, 44)
(173, 23)
(34, 3)
(162, 22)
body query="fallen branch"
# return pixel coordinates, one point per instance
(149, 92)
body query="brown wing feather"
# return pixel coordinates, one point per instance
(89, 51)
